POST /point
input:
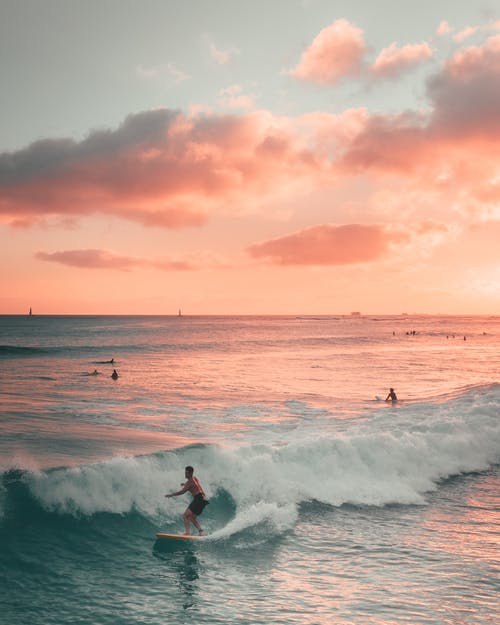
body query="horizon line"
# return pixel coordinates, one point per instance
(351, 315)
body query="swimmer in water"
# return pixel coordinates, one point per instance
(114, 375)
(392, 395)
(199, 502)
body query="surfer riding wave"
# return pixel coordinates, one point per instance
(198, 504)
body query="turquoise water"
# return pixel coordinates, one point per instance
(327, 505)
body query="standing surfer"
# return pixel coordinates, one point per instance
(199, 502)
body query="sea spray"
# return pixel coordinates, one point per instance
(387, 460)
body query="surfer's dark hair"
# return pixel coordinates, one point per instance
(190, 469)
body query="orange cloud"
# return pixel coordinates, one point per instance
(329, 245)
(158, 168)
(443, 29)
(395, 143)
(459, 134)
(393, 61)
(466, 95)
(338, 51)
(162, 168)
(104, 259)
(335, 52)
(465, 33)
(222, 57)
(233, 97)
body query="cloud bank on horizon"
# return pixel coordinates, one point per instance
(424, 175)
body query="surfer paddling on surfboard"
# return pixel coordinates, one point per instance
(195, 508)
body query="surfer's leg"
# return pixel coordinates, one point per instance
(187, 519)
(194, 521)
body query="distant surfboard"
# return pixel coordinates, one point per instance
(180, 536)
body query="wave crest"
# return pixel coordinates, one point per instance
(393, 458)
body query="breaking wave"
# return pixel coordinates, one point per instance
(385, 460)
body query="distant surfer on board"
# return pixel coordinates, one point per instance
(195, 508)
(392, 395)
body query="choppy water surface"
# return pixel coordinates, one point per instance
(327, 505)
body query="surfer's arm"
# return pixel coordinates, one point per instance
(183, 490)
(179, 492)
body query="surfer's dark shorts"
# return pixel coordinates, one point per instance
(197, 505)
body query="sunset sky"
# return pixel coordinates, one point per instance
(248, 156)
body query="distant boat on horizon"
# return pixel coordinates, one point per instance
(31, 312)
(179, 314)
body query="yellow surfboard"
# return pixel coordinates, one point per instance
(180, 536)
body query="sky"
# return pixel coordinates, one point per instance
(249, 157)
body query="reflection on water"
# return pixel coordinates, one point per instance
(205, 377)
(183, 566)
(290, 404)
(397, 564)
(470, 530)
(188, 572)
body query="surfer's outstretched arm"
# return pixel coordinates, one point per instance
(179, 492)
(183, 490)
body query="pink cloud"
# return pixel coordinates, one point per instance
(159, 168)
(448, 156)
(443, 29)
(339, 50)
(222, 57)
(465, 33)
(466, 94)
(461, 129)
(393, 61)
(335, 52)
(396, 143)
(234, 98)
(104, 259)
(329, 245)
(162, 168)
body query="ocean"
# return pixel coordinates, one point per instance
(328, 505)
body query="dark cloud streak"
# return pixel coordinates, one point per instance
(104, 259)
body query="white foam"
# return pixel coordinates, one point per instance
(396, 457)
(280, 517)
